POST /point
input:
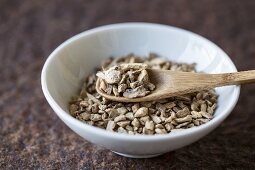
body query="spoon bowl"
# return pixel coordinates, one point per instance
(174, 83)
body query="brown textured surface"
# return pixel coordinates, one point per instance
(31, 135)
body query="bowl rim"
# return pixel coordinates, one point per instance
(102, 132)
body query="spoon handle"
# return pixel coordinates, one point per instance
(236, 78)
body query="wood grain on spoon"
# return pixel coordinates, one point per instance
(173, 83)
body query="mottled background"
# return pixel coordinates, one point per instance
(31, 135)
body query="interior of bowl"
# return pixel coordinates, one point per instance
(67, 66)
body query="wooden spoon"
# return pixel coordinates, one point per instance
(174, 83)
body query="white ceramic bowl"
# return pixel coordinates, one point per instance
(66, 67)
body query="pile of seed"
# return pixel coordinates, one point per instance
(130, 80)
(154, 117)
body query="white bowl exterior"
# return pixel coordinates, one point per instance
(67, 66)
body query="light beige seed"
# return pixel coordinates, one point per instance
(101, 112)
(169, 127)
(144, 119)
(110, 125)
(94, 108)
(163, 115)
(149, 125)
(182, 125)
(99, 74)
(196, 115)
(73, 108)
(140, 130)
(135, 123)
(205, 95)
(84, 104)
(111, 76)
(143, 76)
(135, 129)
(139, 91)
(151, 110)
(123, 123)
(85, 116)
(95, 117)
(160, 131)
(122, 110)
(155, 119)
(129, 128)
(160, 107)
(196, 122)
(173, 114)
(81, 109)
(182, 113)
(109, 89)
(134, 66)
(181, 105)
(123, 79)
(203, 107)
(206, 115)
(213, 99)
(89, 108)
(91, 97)
(143, 111)
(150, 86)
(102, 107)
(188, 118)
(199, 96)
(117, 105)
(211, 109)
(131, 133)
(135, 84)
(174, 123)
(194, 106)
(119, 118)
(104, 116)
(100, 123)
(190, 125)
(128, 81)
(122, 88)
(214, 106)
(115, 91)
(157, 113)
(176, 109)
(169, 119)
(202, 121)
(135, 107)
(163, 118)
(130, 115)
(128, 108)
(103, 85)
(112, 112)
(131, 76)
(170, 105)
(160, 126)
(147, 131)
(122, 130)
